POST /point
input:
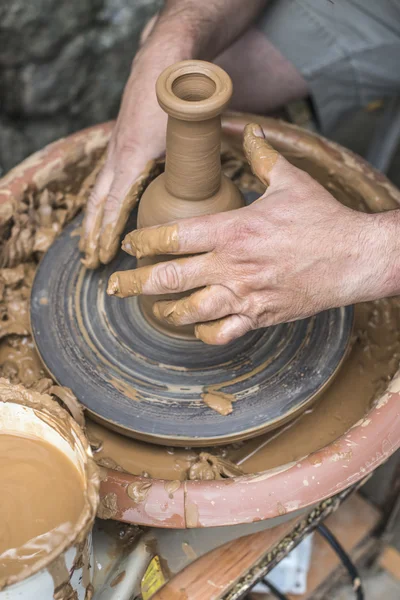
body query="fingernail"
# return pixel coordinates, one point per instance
(257, 130)
(127, 245)
(113, 285)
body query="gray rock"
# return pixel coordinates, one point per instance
(14, 146)
(114, 49)
(46, 88)
(36, 29)
(40, 132)
(63, 66)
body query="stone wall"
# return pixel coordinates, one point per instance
(63, 65)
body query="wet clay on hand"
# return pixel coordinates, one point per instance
(193, 93)
(42, 497)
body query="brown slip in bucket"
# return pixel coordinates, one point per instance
(59, 559)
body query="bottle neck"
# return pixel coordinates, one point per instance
(193, 158)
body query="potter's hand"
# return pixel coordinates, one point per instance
(294, 252)
(130, 154)
(139, 134)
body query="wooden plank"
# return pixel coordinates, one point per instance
(216, 572)
(350, 524)
(390, 561)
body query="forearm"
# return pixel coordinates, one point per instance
(382, 255)
(203, 29)
(368, 257)
(184, 29)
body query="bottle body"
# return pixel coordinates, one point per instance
(193, 93)
(157, 207)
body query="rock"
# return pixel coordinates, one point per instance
(63, 66)
(113, 49)
(42, 131)
(37, 29)
(47, 88)
(14, 145)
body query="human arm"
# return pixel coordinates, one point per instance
(294, 252)
(184, 29)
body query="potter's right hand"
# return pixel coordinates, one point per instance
(294, 252)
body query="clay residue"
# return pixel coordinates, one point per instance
(69, 401)
(139, 458)
(221, 402)
(61, 580)
(109, 463)
(108, 506)
(19, 361)
(15, 287)
(138, 491)
(30, 226)
(152, 241)
(259, 153)
(42, 498)
(210, 331)
(212, 467)
(171, 487)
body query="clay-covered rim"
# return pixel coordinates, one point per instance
(193, 110)
(291, 487)
(52, 413)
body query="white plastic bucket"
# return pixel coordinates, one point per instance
(66, 573)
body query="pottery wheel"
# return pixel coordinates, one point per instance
(148, 385)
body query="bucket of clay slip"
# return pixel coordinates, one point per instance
(66, 571)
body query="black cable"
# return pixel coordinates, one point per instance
(345, 558)
(274, 591)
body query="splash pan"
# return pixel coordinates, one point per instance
(351, 430)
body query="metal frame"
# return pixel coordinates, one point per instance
(364, 555)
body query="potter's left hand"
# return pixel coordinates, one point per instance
(294, 252)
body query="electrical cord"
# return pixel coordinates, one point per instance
(274, 591)
(345, 558)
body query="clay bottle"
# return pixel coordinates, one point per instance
(193, 93)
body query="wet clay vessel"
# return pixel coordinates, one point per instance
(325, 464)
(193, 93)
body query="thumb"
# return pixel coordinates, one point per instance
(261, 156)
